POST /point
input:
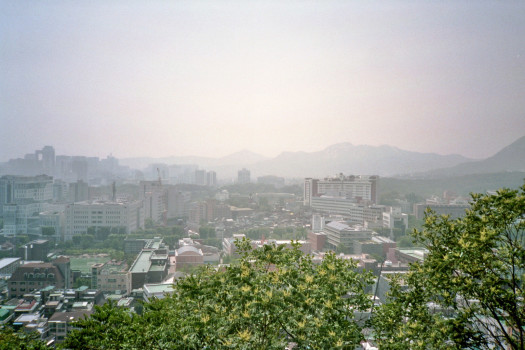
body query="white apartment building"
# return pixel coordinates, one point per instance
(81, 215)
(354, 212)
(359, 187)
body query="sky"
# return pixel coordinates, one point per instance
(210, 78)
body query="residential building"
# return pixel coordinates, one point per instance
(111, 276)
(62, 323)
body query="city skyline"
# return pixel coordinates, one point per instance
(210, 79)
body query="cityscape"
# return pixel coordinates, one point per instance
(262, 175)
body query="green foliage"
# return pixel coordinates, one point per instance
(206, 232)
(389, 198)
(11, 340)
(472, 276)
(82, 281)
(267, 299)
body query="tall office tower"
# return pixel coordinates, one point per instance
(243, 176)
(211, 178)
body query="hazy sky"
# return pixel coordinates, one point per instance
(209, 78)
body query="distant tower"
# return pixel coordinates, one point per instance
(48, 160)
(211, 178)
(243, 176)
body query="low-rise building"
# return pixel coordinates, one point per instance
(62, 323)
(341, 234)
(150, 266)
(110, 277)
(35, 276)
(187, 257)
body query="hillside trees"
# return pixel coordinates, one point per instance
(271, 297)
(468, 292)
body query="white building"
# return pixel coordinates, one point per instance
(358, 187)
(80, 216)
(348, 208)
(339, 233)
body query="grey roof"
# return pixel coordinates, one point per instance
(188, 248)
(7, 261)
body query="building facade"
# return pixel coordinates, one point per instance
(22, 198)
(358, 187)
(80, 216)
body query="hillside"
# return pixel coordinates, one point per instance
(510, 158)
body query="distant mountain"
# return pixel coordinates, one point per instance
(510, 158)
(349, 159)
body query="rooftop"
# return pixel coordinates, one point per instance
(7, 261)
(142, 263)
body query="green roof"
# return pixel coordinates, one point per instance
(142, 263)
(4, 314)
(160, 288)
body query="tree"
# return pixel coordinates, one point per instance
(267, 299)
(468, 292)
(11, 340)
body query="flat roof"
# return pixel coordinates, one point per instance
(157, 267)
(142, 263)
(158, 288)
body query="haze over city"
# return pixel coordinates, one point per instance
(212, 78)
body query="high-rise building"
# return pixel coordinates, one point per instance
(155, 200)
(358, 187)
(243, 176)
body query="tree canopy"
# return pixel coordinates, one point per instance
(468, 292)
(268, 299)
